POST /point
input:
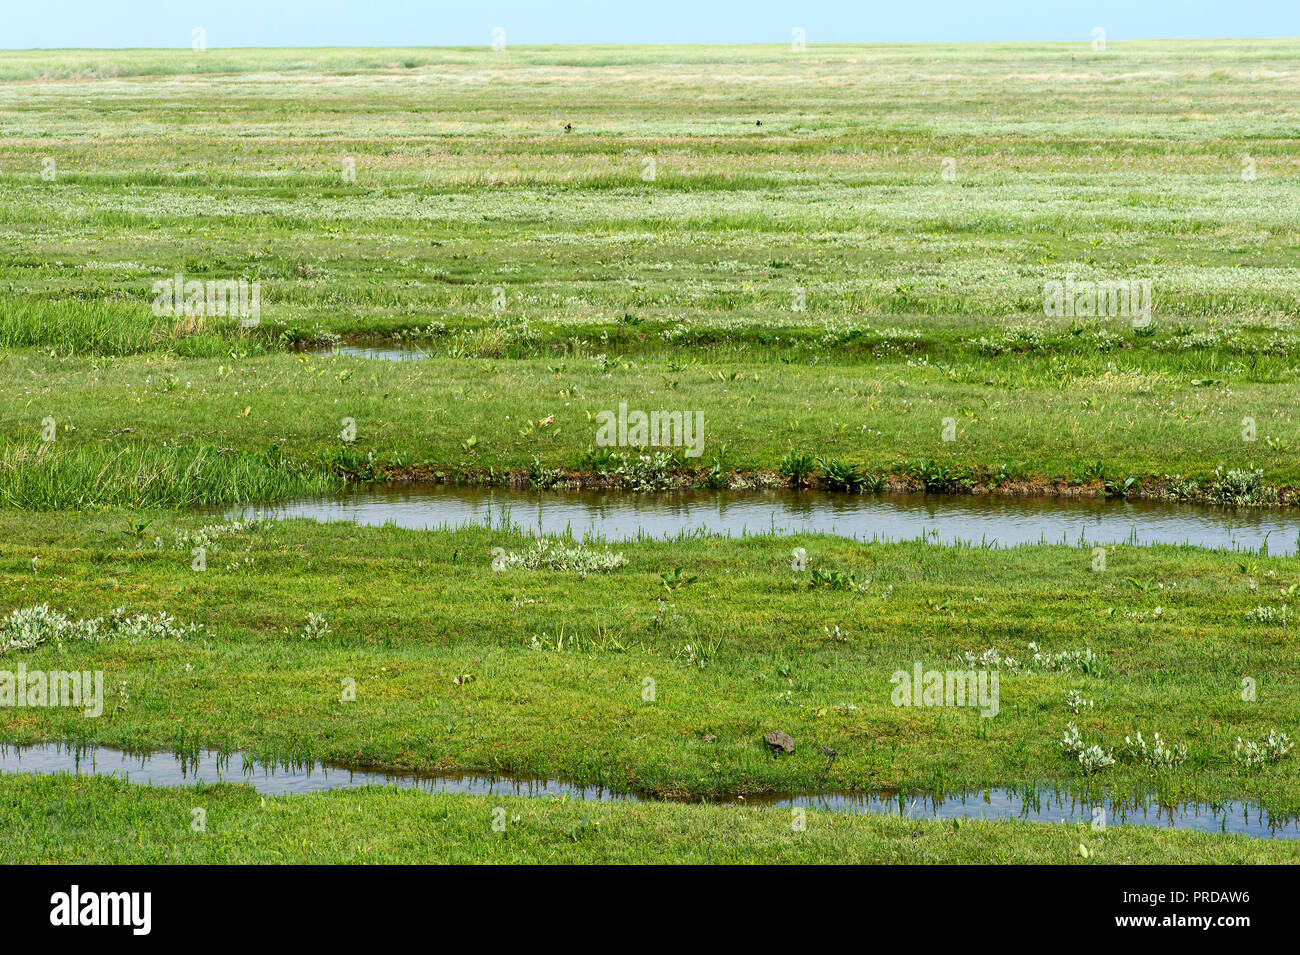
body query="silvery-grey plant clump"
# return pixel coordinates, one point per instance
(1267, 614)
(1072, 743)
(315, 627)
(646, 472)
(208, 535)
(1241, 487)
(1157, 754)
(1074, 702)
(557, 555)
(837, 634)
(1092, 758)
(159, 626)
(29, 627)
(1083, 661)
(1068, 661)
(990, 659)
(1253, 755)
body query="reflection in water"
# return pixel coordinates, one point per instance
(407, 353)
(167, 769)
(979, 520)
(162, 769)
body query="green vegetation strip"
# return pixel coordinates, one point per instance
(64, 820)
(662, 672)
(814, 283)
(833, 305)
(275, 425)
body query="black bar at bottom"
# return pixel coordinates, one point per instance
(337, 904)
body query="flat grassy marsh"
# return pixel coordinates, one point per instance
(492, 419)
(837, 257)
(867, 262)
(85, 821)
(541, 671)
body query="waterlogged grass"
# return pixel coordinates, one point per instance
(65, 820)
(764, 237)
(457, 666)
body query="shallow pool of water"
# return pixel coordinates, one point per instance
(1235, 817)
(383, 353)
(980, 520)
(166, 769)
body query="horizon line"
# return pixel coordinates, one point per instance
(550, 46)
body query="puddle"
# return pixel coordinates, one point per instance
(1054, 807)
(165, 769)
(976, 520)
(389, 353)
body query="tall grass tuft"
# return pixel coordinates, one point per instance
(41, 477)
(72, 326)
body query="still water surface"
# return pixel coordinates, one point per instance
(980, 520)
(166, 769)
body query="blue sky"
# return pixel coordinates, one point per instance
(232, 23)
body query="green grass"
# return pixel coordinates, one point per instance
(813, 285)
(100, 328)
(483, 419)
(921, 297)
(63, 820)
(556, 662)
(36, 476)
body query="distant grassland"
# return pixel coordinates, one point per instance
(715, 211)
(1126, 163)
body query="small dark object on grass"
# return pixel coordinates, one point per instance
(779, 740)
